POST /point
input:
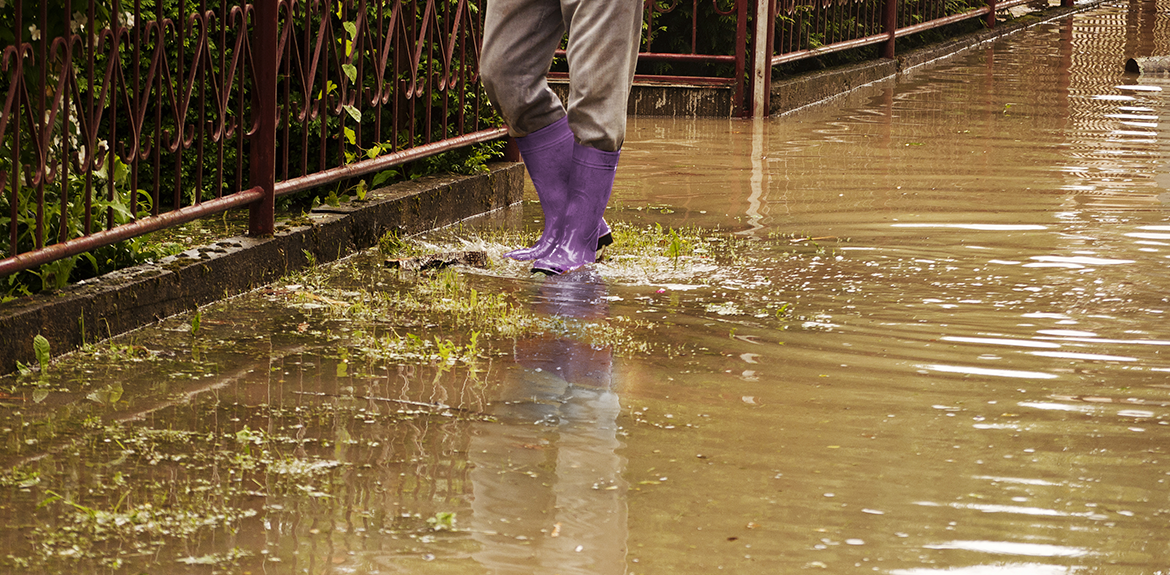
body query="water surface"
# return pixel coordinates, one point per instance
(919, 329)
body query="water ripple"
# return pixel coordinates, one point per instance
(968, 370)
(998, 569)
(1012, 548)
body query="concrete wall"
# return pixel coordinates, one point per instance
(647, 99)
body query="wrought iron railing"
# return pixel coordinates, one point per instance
(811, 28)
(126, 117)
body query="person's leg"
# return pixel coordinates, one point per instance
(602, 52)
(519, 40)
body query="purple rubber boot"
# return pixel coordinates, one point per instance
(546, 154)
(590, 184)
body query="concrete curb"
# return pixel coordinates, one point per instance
(791, 94)
(125, 300)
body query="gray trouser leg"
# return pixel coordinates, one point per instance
(603, 50)
(520, 38)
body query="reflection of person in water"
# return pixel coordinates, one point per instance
(549, 496)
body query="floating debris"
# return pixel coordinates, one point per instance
(476, 259)
(1153, 64)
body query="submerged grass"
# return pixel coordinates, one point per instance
(131, 496)
(366, 357)
(448, 316)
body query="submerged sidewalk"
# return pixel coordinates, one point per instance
(127, 299)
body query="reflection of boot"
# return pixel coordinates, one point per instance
(552, 460)
(580, 297)
(590, 184)
(546, 153)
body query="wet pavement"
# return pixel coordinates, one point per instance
(919, 329)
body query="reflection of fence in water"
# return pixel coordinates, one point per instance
(385, 424)
(1117, 150)
(404, 463)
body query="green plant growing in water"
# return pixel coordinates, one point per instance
(41, 349)
(676, 246)
(442, 521)
(391, 244)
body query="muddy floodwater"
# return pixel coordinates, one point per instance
(919, 329)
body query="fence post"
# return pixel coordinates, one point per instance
(262, 148)
(991, 13)
(511, 150)
(762, 49)
(17, 107)
(890, 23)
(740, 105)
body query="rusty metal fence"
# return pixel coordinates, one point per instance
(769, 33)
(127, 116)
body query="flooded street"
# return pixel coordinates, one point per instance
(920, 329)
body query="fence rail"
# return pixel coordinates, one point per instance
(127, 116)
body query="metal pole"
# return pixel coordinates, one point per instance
(890, 23)
(511, 150)
(358, 169)
(739, 106)
(262, 148)
(17, 108)
(762, 60)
